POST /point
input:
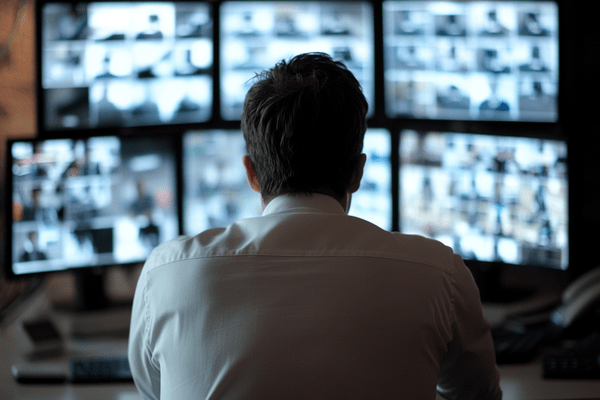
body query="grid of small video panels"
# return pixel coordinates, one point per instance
(216, 192)
(146, 63)
(440, 60)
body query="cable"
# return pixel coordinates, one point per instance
(15, 31)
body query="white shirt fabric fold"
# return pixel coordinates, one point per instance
(306, 302)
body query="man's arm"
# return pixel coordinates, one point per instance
(145, 375)
(469, 369)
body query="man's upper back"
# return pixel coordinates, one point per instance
(303, 302)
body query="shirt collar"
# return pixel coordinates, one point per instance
(302, 203)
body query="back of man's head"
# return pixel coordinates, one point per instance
(304, 122)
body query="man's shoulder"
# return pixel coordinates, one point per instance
(187, 247)
(421, 250)
(407, 248)
(340, 235)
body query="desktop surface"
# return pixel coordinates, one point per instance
(518, 381)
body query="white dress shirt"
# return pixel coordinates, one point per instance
(306, 302)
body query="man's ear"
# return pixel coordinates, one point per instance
(358, 173)
(251, 174)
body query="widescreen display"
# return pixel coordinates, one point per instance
(124, 64)
(255, 35)
(217, 193)
(90, 202)
(471, 60)
(490, 198)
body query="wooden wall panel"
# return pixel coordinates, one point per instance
(17, 94)
(17, 72)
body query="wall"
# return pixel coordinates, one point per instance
(18, 119)
(17, 97)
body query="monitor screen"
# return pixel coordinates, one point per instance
(124, 64)
(373, 200)
(255, 35)
(490, 198)
(86, 202)
(471, 60)
(216, 192)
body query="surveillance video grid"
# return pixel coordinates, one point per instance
(125, 64)
(471, 60)
(94, 201)
(490, 198)
(257, 34)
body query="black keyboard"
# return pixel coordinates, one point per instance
(512, 347)
(97, 370)
(579, 361)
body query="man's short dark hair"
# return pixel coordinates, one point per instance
(304, 123)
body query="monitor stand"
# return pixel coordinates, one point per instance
(92, 312)
(90, 293)
(489, 278)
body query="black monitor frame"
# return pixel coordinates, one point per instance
(551, 130)
(456, 116)
(89, 290)
(207, 73)
(282, 30)
(503, 281)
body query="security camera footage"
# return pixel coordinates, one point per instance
(373, 200)
(257, 34)
(490, 198)
(471, 60)
(125, 64)
(217, 193)
(89, 202)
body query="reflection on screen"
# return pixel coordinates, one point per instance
(89, 202)
(255, 35)
(476, 60)
(490, 198)
(115, 64)
(218, 194)
(373, 200)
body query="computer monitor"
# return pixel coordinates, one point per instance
(471, 60)
(87, 202)
(123, 64)
(493, 199)
(216, 192)
(373, 200)
(255, 35)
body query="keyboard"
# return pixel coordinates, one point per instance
(514, 347)
(581, 360)
(97, 370)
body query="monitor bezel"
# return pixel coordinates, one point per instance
(375, 109)
(7, 262)
(490, 275)
(41, 120)
(533, 125)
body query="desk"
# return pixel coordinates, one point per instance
(10, 389)
(518, 382)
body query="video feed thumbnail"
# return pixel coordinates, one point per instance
(216, 191)
(490, 198)
(255, 35)
(373, 200)
(122, 64)
(471, 60)
(89, 202)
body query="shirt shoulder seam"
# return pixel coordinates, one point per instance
(337, 253)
